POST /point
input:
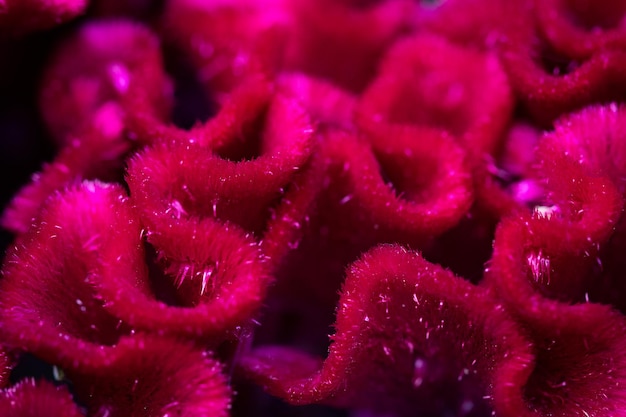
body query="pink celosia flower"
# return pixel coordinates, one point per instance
(353, 152)
(395, 351)
(115, 58)
(429, 81)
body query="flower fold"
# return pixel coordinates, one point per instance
(409, 337)
(49, 305)
(154, 375)
(426, 80)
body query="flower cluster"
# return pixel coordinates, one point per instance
(437, 184)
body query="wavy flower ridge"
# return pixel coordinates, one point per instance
(395, 312)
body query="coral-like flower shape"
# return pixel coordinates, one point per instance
(145, 376)
(401, 189)
(397, 346)
(580, 347)
(357, 193)
(245, 172)
(594, 138)
(544, 269)
(176, 203)
(417, 85)
(199, 290)
(592, 142)
(49, 306)
(428, 81)
(240, 108)
(552, 81)
(51, 297)
(384, 160)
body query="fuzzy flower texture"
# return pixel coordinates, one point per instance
(363, 208)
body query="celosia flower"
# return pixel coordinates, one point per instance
(545, 268)
(149, 376)
(459, 90)
(394, 349)
(352, 151)
(69, 326)
(592, 142)
(580, 362)
(553, 77)
(115, 58)
(49, 306)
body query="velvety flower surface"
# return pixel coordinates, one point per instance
(49, 305)
(418, 198)
(590, 143)
(459, 90)
(551, 78)
(70, 327)
(439, 185)
(327, 103)
(150, 376)
(198, 290)
(245, 172)
(575, 343)
(397, 311)
(548, 267)
(37, 399)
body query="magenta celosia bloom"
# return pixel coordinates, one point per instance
(372, 208)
